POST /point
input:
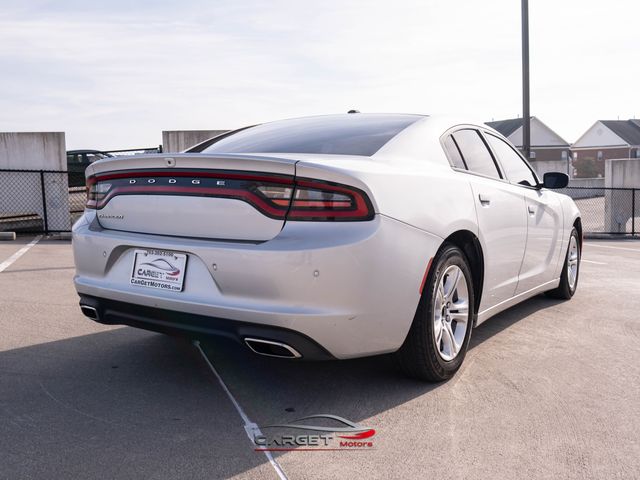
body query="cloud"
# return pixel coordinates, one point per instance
(114, 74)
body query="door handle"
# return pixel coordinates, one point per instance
(532, 209)
(485, 199)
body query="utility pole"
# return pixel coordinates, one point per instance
(526, 115)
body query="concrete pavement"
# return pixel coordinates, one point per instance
(549, 389)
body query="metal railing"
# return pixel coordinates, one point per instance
(41, 201)
(133, 151)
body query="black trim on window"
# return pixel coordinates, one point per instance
(459, 151)
(503, 175)
(482, 132)
(497, 160)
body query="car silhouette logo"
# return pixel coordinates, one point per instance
(350, 430)
(162, 264)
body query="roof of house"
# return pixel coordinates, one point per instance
(506, 127)
(542, 135)
(627, 130)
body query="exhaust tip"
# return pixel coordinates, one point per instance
(271, 349)
(90, 312)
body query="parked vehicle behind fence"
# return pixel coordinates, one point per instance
(78, 161)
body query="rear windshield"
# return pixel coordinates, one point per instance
(354, 134)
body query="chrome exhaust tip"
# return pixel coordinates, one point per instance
(270, 348)
(90, 312)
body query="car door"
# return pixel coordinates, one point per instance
(500, 209)
(544, 217)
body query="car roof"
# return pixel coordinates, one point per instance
(418, 141)
(421, 140)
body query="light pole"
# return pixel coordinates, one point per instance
(526, 116)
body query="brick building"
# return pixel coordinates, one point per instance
(605, 139)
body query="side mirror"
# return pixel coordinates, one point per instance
(554, 180)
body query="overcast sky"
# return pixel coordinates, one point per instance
(114, 74)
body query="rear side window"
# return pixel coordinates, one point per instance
(513, 165)
(475, 153)
(453, 153)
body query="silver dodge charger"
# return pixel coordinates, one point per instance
(334, 236)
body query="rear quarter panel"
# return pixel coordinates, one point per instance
(430, 197)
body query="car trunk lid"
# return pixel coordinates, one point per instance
(225, 197)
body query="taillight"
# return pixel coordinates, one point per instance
(96, 191)
(275, 196)
(316, 200)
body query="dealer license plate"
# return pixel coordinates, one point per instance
(159, 269)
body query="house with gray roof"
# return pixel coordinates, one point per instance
(549, 151)
(605, 139)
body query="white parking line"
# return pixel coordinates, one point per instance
(637, 250)
(7, 263)
(591, 261)
(249, 426)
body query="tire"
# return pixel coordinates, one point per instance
(421, 355)
(569, 279)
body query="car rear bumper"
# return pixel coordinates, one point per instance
(351, 287)
(111, 312)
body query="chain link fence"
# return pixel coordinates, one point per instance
(44, 201)
(607, 211)
(40, 201)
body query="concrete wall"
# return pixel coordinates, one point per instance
(621, 173)
(174, 141)
(33, 151)
(587, 182)
(21, 192)
(589, 188)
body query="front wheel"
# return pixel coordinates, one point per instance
(439, 336)
(570, 271)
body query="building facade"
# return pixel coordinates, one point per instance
(604, 140)
(549, 151)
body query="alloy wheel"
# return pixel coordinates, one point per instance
(451, 313)
(572, 262)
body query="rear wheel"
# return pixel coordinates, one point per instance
(570, 271)
(439, 336)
